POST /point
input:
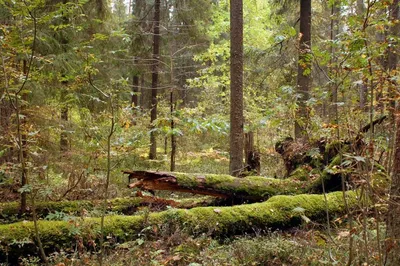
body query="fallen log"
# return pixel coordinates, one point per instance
(278, 212)
(251, 188)
(9, 210)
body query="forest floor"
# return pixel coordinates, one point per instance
(312, 243)
(302, 246)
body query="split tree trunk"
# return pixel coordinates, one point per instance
(252, 157)
(251, 188)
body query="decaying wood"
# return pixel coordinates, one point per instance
(277, 212)
(251, 188)
(320, 153)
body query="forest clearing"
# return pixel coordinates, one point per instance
(199, 132)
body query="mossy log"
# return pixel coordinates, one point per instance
(278, 212)
(251, 188)
(9, 210)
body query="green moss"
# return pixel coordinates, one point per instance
(300, 173)
(251, 187)
(10, 209)
(217, 221)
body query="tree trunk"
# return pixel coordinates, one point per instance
(173, 137)
(236, 69)
(251, 188)
(393, 221)
(252, 157)
(278, 212)
(64, 119)
(392, 53)
(304, 69)
(64, 91)
(334, 31)
(154, 79)
(135, 87)
(22, 139)
(6, 110)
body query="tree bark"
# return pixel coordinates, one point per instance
(173, 137)
(303, 69)
(277, 212)
(334, 31)
(64, 91)
(135, 87)
(392, 53)
(363, 88)
(64, 119)
(252, 157)
(22, 139)
(251, 188)
(154, 79)
(236, 70)
(393, 221)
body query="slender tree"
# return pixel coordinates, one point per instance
(236, 69)
(393, 220)
(154, 79)
(334, 31)
(363, 89)
(304, 68)
(64, 90)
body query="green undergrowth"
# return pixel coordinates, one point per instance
(308, 245)
(9, 210)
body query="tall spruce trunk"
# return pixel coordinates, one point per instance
(303, 69)
(236, 113)
(154, 79)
